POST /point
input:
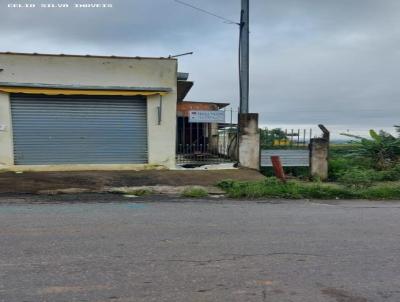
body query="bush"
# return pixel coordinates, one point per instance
(358, 177)
(390, 175)
(338, 165)
(194, 192)
(382, 148)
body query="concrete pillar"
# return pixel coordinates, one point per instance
(249, 141)
(319, 151)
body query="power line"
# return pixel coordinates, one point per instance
(243, 51)
(181, 54)
(328, 111)
(207, 12)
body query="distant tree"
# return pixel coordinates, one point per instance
(269, 137)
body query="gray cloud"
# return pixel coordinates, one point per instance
(312, 61)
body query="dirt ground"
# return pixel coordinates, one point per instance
(33, 182)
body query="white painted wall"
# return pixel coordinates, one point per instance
(161, 147)
(6, 141)
(95, 71)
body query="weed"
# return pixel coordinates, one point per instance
(358, 178)
(140, 192)
(194, 192)
(274, 188)
(298, 172)
(384, 191)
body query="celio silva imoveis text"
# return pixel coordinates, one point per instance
(60, 5)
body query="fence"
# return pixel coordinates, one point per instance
(290, 145)
(206, 143)
(289, 158)
(285, 139)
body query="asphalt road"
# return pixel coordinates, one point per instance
(199, 251)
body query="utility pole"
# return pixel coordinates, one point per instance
(244, 57)
(244, 33)
(248, 134)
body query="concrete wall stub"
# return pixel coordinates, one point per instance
(319, 152)
(249, 141)
(6, 140)
(161, 136)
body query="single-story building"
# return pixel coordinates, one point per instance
(86, 112)
(72, 112)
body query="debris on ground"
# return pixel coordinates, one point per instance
(100, 181)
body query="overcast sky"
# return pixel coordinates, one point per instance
(335, 62)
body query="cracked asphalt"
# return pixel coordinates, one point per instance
(107, 248)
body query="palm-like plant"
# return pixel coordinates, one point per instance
(382, 148)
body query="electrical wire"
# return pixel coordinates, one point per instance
(229, 22)
(207, 12)
(328, 111)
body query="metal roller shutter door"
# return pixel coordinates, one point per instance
(79, 129)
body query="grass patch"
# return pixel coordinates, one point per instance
(299, 172)
(356, 176)
(382, 192)
(140, 192)
(194, 192)
(273, 188)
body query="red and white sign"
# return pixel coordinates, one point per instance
(199, 116)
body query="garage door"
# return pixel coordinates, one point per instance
(79, 129)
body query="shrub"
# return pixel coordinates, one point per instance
(338, 166)
(194, 192)
(359, 177)
(390, 175)
(382, 148)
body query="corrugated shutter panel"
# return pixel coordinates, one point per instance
(79, 129)
(289, 158)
